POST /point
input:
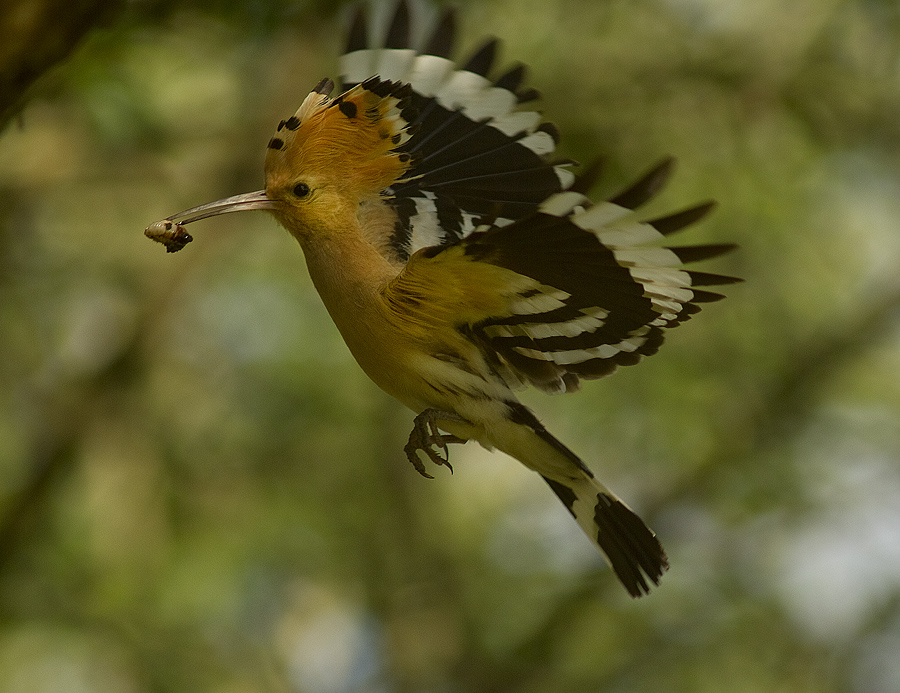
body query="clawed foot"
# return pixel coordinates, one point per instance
(425, 436)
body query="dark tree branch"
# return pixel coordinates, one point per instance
(35, 35)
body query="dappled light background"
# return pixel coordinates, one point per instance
(200, 491)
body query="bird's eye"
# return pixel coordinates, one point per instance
(301, 190)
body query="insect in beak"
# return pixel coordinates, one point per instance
(171, 233)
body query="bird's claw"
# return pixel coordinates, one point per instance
(425, 436)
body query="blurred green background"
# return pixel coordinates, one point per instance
(200, 491)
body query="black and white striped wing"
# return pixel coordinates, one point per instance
(475, 153)
(604, 290)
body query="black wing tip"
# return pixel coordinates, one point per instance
(647, 186)
(443, 37)
(398, 30)
(696, 253)
(707, 279)
(482, 60)
(357, 35)
(512, 79)
(679, 220)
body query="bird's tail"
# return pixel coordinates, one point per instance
(629, 546)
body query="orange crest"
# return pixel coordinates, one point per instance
(351, 139)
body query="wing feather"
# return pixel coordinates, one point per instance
(570, 291)
(473, 152)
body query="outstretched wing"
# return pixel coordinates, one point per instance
(474, 152)
(572, 290)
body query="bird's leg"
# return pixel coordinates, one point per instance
(425, 436)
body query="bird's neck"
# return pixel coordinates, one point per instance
(345, 266)
(349, 274)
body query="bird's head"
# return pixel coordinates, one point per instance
(323, 161)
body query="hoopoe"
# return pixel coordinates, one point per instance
(460, 262)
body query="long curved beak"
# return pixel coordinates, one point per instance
(170, 231)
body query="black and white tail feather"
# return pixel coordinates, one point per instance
(596, 287)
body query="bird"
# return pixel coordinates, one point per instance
(461, 261)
